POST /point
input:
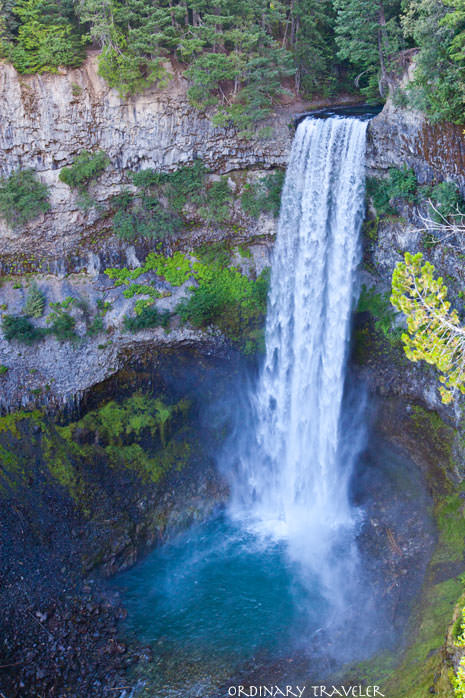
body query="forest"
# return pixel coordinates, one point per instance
(240, 57)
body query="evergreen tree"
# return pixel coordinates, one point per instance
(439, 81)
(368, 35)
(434, 333)
(44, 36)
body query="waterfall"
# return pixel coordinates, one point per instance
(292, 477)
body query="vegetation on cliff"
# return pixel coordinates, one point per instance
(221, 295)
(240, 58)
(434, 331)
(22, 197)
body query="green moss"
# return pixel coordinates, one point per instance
(214, 253)
(450, 518)
(9, 423)
(440, 434)
(141, 289)
(59, 462)
(244, 252)
(175, 269)
(122, 429)
(421, 668)
(223, 296)
(141, 434)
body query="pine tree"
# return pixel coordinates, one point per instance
(368, 34)
(434, 333)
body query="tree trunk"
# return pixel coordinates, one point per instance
(382, 44)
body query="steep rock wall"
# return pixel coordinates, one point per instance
(47, 120)
(399, 137)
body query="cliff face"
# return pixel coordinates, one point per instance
(399, 137)
(47, 120)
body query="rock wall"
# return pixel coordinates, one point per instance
(399, 137)
(47, 120)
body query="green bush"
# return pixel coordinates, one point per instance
(447, 199)
(218, 198)
(147, 318)
(263, 196)
(22, 197)
(35, 302)
(21, 330)
(231, 301)
(400, 184)
(86, 168)
(185, 185)
(62, 325)
(145, 219)
(378, 305)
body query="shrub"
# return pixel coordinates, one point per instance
(62, 325)
(217, 201)
(378, 305)
(156, 210)
(447, 199)
(86, 168)
(231, 301)
(21, 330)
(185, 185)
(35, 302)
(3, 369)
(95, 327)
(263, 196)
(400, 184)
(22, 197)
(147, 219)
(148, 317)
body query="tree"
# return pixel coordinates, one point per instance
(438, 87)
(311, 38)
(368, 35)
(47, 36)
(434, 333)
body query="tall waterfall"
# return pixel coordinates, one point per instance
(293, 475)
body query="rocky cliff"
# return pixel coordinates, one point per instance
(71, 481)
(47, 120)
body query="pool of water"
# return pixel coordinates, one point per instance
(218, 590)
(220, 601)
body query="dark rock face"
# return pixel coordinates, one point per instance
(399, 137)
(69, 520)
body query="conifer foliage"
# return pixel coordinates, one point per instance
(434, 332)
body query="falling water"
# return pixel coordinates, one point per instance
(279, 574)
(293, 477)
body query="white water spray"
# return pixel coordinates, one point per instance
(293, 476)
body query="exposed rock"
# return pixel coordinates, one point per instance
(44, 125)
(399, 137)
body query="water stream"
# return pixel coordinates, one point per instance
(293, 475)
(278, 573)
